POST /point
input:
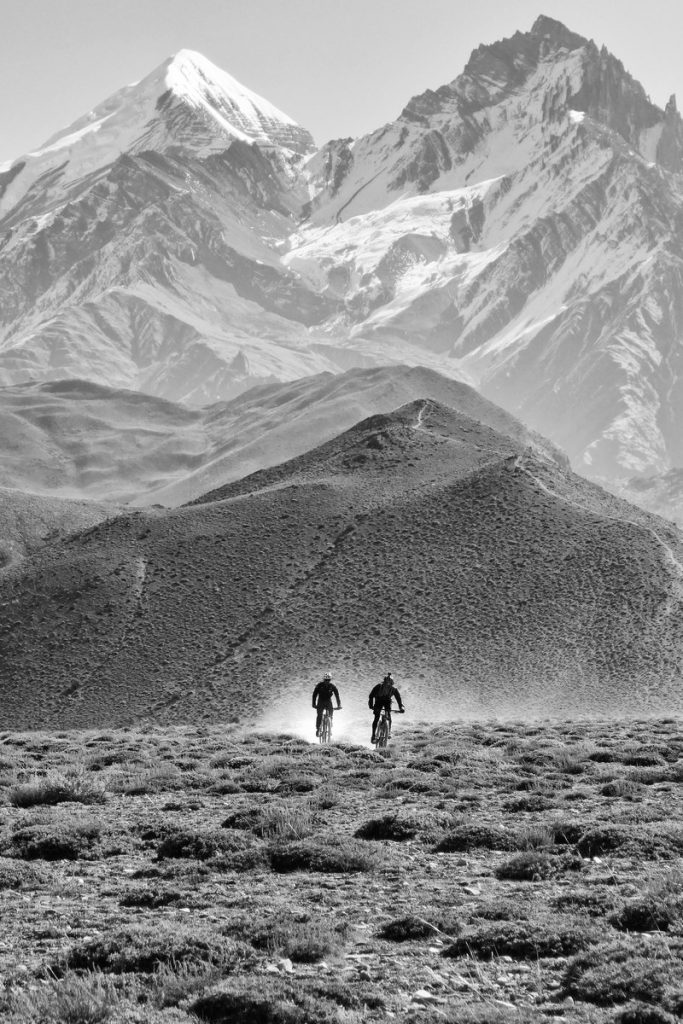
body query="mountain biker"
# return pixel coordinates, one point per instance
(380, 700)
(322, 699)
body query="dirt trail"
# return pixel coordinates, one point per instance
(417, 425)
(668, 555)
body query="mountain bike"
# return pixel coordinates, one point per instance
(383, 731)
(326, 726)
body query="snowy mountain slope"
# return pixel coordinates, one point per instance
(558, 281)
(139, 248)
(186, 102)
(520, 228)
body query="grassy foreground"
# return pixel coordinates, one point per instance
(486, 872)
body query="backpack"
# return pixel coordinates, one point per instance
(385, 688)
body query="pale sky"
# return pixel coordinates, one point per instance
(339, 67)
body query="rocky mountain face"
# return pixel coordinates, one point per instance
(139, 248)
(487, 576)
(520, 228)
(539, 198)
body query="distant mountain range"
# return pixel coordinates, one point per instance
(520, 228)
(485, 574)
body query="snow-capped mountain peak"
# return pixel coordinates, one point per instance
(185, 102)
(193, 78)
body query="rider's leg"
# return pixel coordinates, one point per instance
(318, 719)
(377, 709)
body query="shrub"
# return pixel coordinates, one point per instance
(646, 915)
(621, 972)
(488, 1013)
(471, 837)
(343, 856)
(270, 1004)
(602, 839)
(150, 898)
(58, 841)
(401, 826)
(624, 788)
(55, 788)
(531, 866)
(641, 1013)
(15, 875)
(650, 776)
(183, 843)
(284, 1001)
(523, 940)
(144, 948)
(298, 784)
(403, 929)
(595, 902)
(306, 943)
(643, 758)
(532, 802)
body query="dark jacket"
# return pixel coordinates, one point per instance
(384, 692)
(324, 692)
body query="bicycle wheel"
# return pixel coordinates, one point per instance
(326, 729)
(382, 734)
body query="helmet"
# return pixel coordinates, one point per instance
(327, 677)
(388, 677)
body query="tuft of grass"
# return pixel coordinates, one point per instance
(89, 998)
(283, 820)
(303, 942)
(173, 983)
(57, 788)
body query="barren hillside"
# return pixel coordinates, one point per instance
(487, 578)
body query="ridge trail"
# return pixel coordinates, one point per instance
(417, 425)
(669, 556)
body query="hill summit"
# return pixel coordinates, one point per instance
(487, 576)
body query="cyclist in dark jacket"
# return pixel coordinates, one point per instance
(322, 699)
(380, 700)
